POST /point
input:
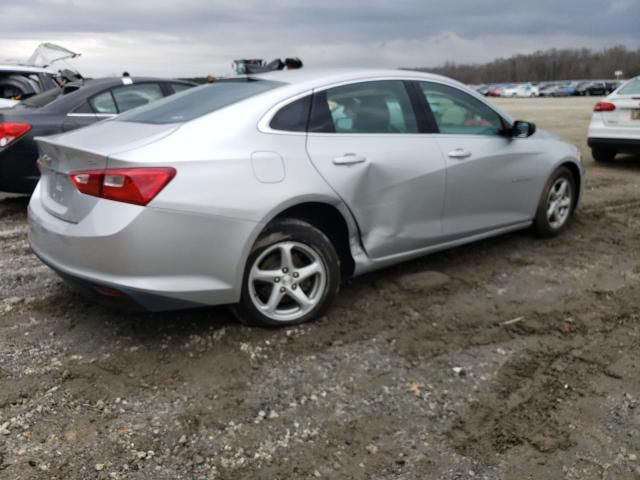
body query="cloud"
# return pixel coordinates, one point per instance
(196, 37)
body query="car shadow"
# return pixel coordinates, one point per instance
(13, 204)
(625, 162)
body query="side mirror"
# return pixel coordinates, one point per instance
(521, 129)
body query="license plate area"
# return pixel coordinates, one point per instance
(58, 188)
(635, 114)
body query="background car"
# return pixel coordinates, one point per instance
(615, 123)
(264, 191)
(600, 88)
(58, 110)
(525, 90)
(483, 90)
(564, 90)
(496, 90)
(19, 82)
(547, 89)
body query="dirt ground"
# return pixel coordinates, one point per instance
(512, 358)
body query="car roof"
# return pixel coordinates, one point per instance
(309, 78)
(24, 69)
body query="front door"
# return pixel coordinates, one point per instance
(491, 177)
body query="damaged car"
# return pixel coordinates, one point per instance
(265, 191)
(21, 81)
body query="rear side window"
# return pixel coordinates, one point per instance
(631, 88)
(103, 103)
(84, 107)
(366, 107)
(292, 117)
(180, 87)
(136, 95)
(200, 101)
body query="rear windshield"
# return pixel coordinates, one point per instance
(631, 88)
(199, 101)
(42, 99)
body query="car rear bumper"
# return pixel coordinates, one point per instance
(159, 259)
(618, 144)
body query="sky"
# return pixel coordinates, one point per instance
(198, 37)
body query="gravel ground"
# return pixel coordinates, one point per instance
(510, 358)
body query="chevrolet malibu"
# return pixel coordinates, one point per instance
(264, 191)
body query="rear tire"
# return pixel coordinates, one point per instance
(603, 156)
(557, 204)
(292, 276)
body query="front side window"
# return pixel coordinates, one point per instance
(180, 87)
(367, 107)
(136, 95)
(457, 112)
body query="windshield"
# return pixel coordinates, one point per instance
(631, 88)
(199, 101)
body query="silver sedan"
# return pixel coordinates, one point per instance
(265, 191)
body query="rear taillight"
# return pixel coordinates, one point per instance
(10, 132)
(604, 107)
(130, 185)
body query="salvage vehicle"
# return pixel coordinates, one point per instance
(19, 82)
(58, 110)
(23, 80)
(615, 123)
(264, 191)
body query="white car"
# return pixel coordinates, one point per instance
(524, 90)
(615, 124)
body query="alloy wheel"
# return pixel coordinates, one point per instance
(287, 281)
(559, 203)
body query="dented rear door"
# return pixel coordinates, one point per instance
(393, 181)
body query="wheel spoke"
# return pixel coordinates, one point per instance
(565, 202)
(309, 271)
(267, 276)
(562, 190)
(286, 255)
(274, 300)
(551, 210)
(300, 298)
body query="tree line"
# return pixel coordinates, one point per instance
(547, 65)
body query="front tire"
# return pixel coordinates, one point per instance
(292, 276)
(603, 156)
(556, 204)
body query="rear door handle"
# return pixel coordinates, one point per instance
(349, 159)
(459, 153)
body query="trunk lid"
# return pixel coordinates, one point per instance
(626, 114)
(86, 149)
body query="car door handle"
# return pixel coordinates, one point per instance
(349, 159)
(459, 153)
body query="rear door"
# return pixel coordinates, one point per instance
(81, 116)
(365, 141)
(491, 179)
